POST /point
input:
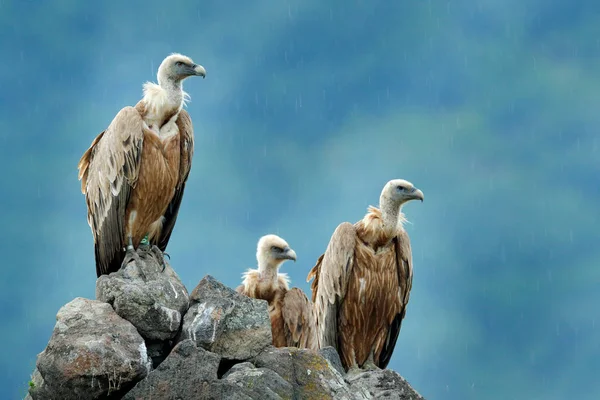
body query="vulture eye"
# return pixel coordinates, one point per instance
(179, 63)
(401, 188)
(276, 249)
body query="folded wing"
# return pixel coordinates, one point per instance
(405, 275)
(108, 171)
(298, 320)
(331, 274)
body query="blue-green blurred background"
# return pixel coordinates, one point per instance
(491, 107)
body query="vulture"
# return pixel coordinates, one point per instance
(363, 280)
(134, 173)
(290, 311)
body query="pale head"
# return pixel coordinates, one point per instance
(177, 67)
(273, 251)
(399, 191)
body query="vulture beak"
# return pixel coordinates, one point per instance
(288, 254)
(416, 194)
(199, 70)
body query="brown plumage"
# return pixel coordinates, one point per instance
(290, 311)
(133, 175)
(363, 280)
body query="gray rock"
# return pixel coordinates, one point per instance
(331, 355)
(186, 373)
(225, 322)
(92, 353)
(153, 301)
(308, 372)
(383, 384)
(259, 383)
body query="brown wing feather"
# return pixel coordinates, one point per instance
(298, 320)
(108, 170)
(186, 130)
(331, 281)
(405, 274)
(314, 274)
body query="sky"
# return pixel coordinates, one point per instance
(307, 110)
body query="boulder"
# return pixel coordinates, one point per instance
(93, 353)
(223, 321)
(154, 301)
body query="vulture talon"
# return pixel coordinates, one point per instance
(370, 366)
(132, 255)
(159, 256)
(144, 247)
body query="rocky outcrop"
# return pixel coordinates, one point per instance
(214, 344)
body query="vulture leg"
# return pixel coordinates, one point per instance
(132, 255)
(354, 370)
(144, 244)
(158, 255)
(369, 365)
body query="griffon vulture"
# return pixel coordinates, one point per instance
(291, 313)
(362, 282)
(134, 173)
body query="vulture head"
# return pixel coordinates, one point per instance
(399, 191)
(177, 67)
(272, 251)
